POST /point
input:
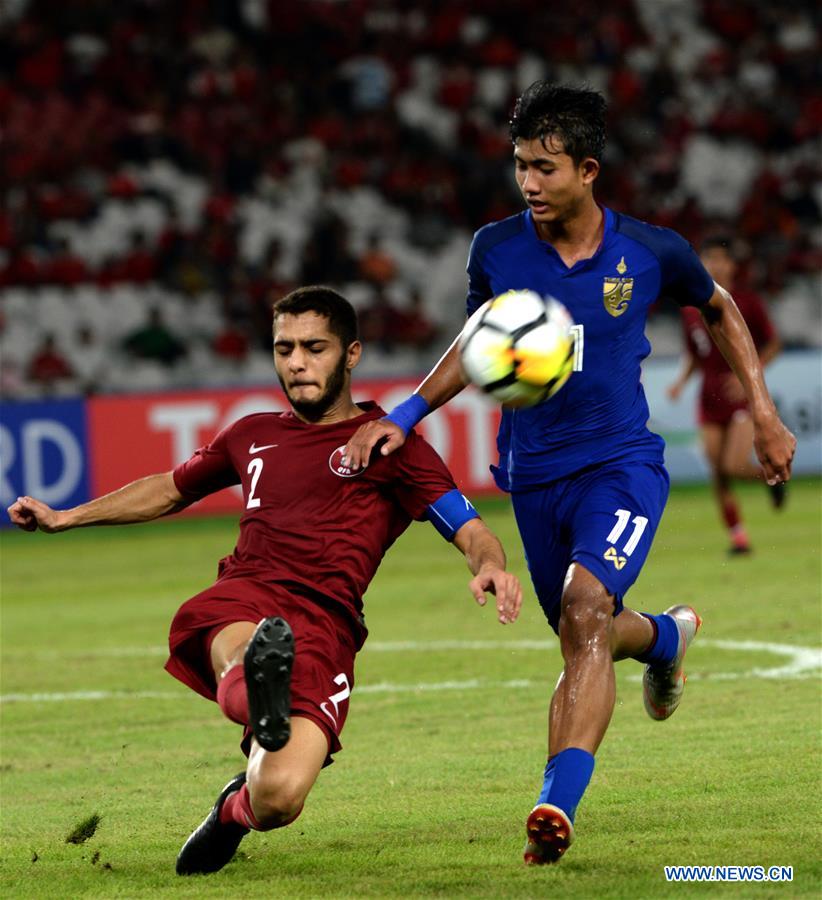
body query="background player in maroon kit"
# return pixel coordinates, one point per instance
(274, 640)
(724, 419)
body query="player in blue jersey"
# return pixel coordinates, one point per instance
(586, 476)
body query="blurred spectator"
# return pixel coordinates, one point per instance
(326, 256)
(369, 78)
(176, 143)
(194, 271)
(242, 165)
(65, 268)
(413, 327)
(12, 374)
(171, 246)
(232, 343)
(376, 265)
(22, 267)
(90, 360)
(48, 365)
(137, 266)
(12, 378)
(380, 323)
(154, 341)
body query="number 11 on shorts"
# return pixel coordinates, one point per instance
(623, 518)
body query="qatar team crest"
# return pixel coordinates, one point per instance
(335, 463)
(617, 292)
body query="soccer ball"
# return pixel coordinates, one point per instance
(518, 348)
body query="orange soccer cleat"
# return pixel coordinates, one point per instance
(550, 834)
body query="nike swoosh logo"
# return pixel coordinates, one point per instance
(323, 707)
(255, 449)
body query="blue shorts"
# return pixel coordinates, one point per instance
(603, 518)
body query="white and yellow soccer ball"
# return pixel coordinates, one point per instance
(518, 348)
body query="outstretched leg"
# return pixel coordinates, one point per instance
(581, 709)
(591, 639)
(586, 540)
(272, 791)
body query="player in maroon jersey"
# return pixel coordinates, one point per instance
(273, 641)
(724, 418)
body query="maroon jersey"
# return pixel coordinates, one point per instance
(715, 403)
(308, 520)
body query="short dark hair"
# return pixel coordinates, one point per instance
(574, 115)
(718, 242)
(325, 301)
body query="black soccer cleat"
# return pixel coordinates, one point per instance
(740, 550)
(212, 844)
(779, 494)
(268, 660)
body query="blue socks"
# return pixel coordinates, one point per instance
(566, 776)
(664, 647)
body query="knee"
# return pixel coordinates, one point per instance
(586, 619)
(276, 800)
(725, 472)
(721, 477)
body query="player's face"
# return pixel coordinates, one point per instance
(312, 366)
(720, 265)
(551, 183)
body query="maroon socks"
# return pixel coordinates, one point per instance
(232, 696)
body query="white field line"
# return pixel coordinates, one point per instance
(801, 662)
(91, 695)
(370, 647)
(383, 687)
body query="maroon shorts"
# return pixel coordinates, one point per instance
(720, 413)
(324, 642)
(715, 408)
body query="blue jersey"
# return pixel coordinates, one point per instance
(601, 413)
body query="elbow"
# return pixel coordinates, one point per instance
(176, 502)
(172, 500)
(770, 351)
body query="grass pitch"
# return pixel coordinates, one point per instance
(106, 772)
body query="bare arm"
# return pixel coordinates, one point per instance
(774, 444)
(770, 351)
(689, 366)
(733, 389)
(442, 383)
(486, 560)
(445, 380)
(140, 501)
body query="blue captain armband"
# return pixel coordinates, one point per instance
(409, 412)
(450, 513)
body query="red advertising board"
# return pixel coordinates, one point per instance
(133, 436)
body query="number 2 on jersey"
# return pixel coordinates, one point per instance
(255, 468)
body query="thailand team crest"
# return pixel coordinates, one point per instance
(335, 463)
(617, 292)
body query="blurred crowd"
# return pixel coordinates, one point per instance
(170, 168)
